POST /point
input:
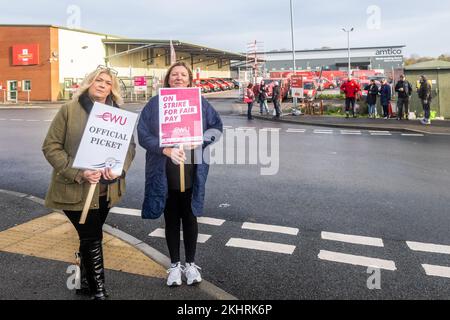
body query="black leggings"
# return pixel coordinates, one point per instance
(93, 228)
(178, 207)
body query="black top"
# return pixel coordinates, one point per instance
(173, 173)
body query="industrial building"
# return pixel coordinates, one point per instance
(47, 63)
(380, 58)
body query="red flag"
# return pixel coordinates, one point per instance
(173, 55)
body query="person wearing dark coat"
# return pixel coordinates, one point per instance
(386, 96)
(162, 178)
(372, 94)
(404, 91)
(425, 97)
(276, 97)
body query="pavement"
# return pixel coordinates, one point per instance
(37, 247)
(437, 127)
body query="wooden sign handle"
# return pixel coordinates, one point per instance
(87, 204)
(182, 182)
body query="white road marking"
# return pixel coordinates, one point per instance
(323, 131)
(137, 213)
(366, 241)
(271, 129)
(2, 119)
(244, 129)
(296, 130)
(413, 135)
(357, 260)
(428, 247)
(380, 134)
(16, 119)
(261, 246)
(33, 120)
(48, 120)
(161, 233)
(210, 221)
(345, 132)
(227, 127)
(436, 271)
(270, 228)
(126, 211)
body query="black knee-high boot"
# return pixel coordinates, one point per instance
(92, 254)
(84, 285)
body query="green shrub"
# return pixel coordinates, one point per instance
(331, 97)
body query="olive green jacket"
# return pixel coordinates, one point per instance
(66, 190)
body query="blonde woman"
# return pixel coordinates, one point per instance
(69, 187)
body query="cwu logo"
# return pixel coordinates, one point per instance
(109, 117)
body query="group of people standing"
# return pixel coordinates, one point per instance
(260, 94)
(69, 186)
(404, 91)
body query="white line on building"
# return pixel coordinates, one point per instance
(428, 247)
(357, 260)
(261, 246)
(270, 228)
(367, 241)
(161, 233)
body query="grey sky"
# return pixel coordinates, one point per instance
(421, 25)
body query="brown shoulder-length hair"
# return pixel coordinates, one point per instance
(178, 64)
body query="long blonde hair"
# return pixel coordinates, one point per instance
(90, 79)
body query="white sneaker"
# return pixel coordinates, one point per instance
(175, 272)
(192, 274)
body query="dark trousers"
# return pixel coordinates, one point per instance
(178, 210)
(350, 105)
(276, 104)
(426, 109)
(386, 111)
(93, 228)
(249, 111)
(402, 105)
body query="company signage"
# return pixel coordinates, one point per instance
(25, 54)
(140, 84)
(389, 52)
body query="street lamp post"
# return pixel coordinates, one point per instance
(293, 46)
(348, 45)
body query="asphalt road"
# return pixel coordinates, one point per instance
(390, 187)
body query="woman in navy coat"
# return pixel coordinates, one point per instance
(162, 178)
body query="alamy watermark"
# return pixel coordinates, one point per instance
(374, 281)
(241, 147)
(74, 19)
(374, 19)
(74, 280)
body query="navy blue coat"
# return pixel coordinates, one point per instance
(386, 94)
(156, 186)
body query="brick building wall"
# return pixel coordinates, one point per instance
(44, 76)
